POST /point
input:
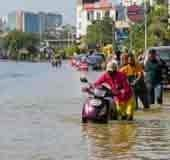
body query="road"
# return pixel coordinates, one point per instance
(40, 112)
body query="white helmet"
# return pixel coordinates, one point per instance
(112, 66)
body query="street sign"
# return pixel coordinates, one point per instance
(90, 1)
(135, 13)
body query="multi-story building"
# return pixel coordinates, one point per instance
(12, 20)
(15, 20)
(1, 24)
(91, 10)
(53, 20)
(33, 22)
(19, 20)
(127, 3)
(42, 22)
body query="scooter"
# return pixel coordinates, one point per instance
(97, 106)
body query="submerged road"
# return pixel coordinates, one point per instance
(40, 112)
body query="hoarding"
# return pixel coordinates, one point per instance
(89, 1)
(135, 13)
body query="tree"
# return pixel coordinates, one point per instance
(16, 40)
(100, 32)
(157, 25)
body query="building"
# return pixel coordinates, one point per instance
(53, 20)
(61, 37)
(30, 22)
(23, 21)
(33, 22)
(12, 21)
(91, 10)
(19, 20)
(42, 21)
(127, 3)
(1, 25)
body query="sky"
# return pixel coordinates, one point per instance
(66, 7)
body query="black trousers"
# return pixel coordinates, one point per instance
(155, 93)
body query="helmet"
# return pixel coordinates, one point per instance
(112, 66)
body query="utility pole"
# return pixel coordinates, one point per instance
(68, 39)
(131, 39)
(168, 14)
(131, 32)
(113, 33)
(40, 28)
(145, 18)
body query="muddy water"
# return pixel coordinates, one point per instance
(40, 110)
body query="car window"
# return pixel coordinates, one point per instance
(164, 54)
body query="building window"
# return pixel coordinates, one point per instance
(90, 16)
(80, 25)
(98, 15)
(107, 14)
(80, 14)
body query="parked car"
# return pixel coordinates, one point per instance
(163, 53)
(95, 61)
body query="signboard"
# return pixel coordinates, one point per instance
(135, 13)
(90, 1)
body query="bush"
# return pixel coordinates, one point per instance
(69, 51)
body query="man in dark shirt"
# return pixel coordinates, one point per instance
(153, 76)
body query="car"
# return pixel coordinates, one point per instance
(95, 61)
(163, 53)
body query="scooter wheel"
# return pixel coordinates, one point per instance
(105, 121)
(84, 120)
(113, 114)
(130, 118)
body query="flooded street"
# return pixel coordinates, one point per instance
(40, 112)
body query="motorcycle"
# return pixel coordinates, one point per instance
(97, 107)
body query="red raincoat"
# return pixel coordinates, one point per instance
(119, 85)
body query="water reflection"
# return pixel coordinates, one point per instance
(106, 141)
(40, 119)
(153, 139)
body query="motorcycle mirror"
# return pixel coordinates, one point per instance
(83, 80)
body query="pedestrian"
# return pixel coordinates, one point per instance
(124, 59)
(135, 75)
(121, 89)
(153, 77)
(60, 60)
(118, 54)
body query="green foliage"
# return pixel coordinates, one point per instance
(100, 32)
(158, 34)
(17, 40)
(69, 51)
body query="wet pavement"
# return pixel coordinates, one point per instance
(40, 113)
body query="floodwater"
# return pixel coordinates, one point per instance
(40, 112)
